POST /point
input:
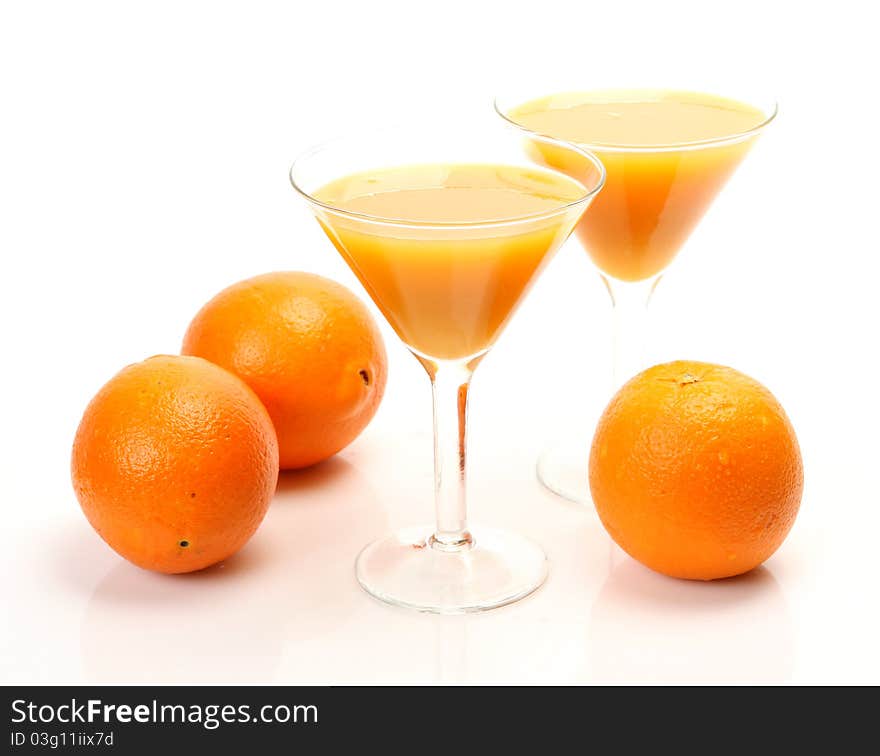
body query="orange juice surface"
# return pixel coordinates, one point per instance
(664, 169)
(448, 251)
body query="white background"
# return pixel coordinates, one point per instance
(143, 157)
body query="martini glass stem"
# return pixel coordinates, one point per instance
(630, 301)
(450, 382)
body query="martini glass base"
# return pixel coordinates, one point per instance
(404, 569)
(563, 470)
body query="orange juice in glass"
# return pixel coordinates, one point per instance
(667, 153)
(448, 293)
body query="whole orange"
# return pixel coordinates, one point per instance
(174, 463)
(695, 470)
(310, 350)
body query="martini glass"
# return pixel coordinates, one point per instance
(667, 154)
(446, 230)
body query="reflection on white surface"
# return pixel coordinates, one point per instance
(451, 649)
(645, 627)
(214, 626)
(287, 608)
(232, 622)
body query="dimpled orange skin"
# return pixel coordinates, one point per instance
(695, 471)
(174, 463)
(310, 350)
